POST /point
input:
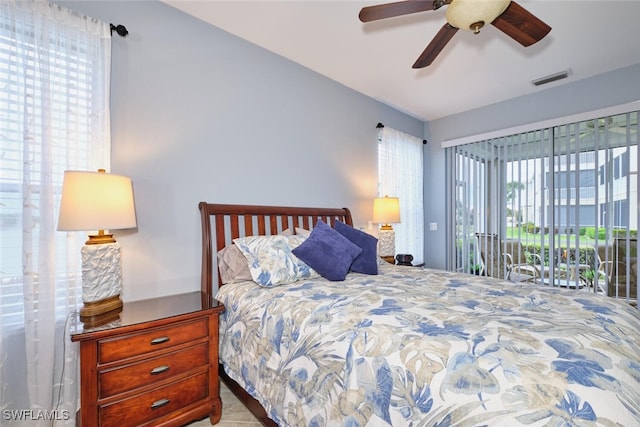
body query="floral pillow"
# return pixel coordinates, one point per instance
(304, 271)
(270, 260)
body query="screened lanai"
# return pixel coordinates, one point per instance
(555, 206)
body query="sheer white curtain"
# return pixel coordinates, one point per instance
(54, 115)
(400, 172)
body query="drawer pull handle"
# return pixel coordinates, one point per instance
(159, 340)
(159, 370)
(158, 403)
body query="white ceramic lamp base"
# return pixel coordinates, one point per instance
(101, 279)
(387, 245)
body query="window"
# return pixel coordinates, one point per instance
(400, 175)
(624, 160)
(54, 116)
(567, 195)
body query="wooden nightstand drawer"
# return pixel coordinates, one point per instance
(156, 403)
(129, 377)
(113, 349)
(157, 365)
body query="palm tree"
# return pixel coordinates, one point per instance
(512, 189)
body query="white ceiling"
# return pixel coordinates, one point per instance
(589, 37)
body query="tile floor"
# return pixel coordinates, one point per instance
(234, 413)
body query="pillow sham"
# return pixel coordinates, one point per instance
(302, 232)
(304, 271)
(270, 260)
(297, 230)
(366, 262)
(327, 252)
(232, 265)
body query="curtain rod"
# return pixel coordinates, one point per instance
(380, 125)
(120, 29)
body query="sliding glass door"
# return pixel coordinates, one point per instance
(556, 206)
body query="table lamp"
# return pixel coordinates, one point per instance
(98, 201)
(386, 210)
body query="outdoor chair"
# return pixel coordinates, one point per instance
(489, 248)
(522, 263)
(518, 267)
(611, 275)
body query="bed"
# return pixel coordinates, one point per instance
(414, 346)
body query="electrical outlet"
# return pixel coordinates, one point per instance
(433, 226)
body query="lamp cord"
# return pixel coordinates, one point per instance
(64, 363)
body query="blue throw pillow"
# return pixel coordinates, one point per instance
(367, 261)
(328, 252)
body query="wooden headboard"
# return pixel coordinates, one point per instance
(233, 221)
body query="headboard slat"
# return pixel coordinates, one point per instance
(235, 227)
(222, 214)
(306, 223)
(248, 226)
(220, 238)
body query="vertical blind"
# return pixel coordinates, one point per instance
(561, 199)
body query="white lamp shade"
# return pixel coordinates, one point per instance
(463, 13)
(386, 210)
(96, 201)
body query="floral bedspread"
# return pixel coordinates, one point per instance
(421, 347)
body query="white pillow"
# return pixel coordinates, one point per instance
(302, 232)
(297, 231)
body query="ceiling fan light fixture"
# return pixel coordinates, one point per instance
(476, 26)
(471, 15)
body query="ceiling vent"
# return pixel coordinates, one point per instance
(551, 77)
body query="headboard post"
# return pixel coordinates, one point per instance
(232, 221)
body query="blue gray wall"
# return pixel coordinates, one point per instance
(200, 115)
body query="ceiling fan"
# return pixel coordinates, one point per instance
(506, 15)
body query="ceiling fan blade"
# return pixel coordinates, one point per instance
(435, 47)
(381, 11)
(522, 26)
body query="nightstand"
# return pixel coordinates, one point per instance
(389, 259)
(155, 362)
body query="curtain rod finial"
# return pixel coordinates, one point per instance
(120, 29)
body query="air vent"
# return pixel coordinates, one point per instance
(551, 77)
